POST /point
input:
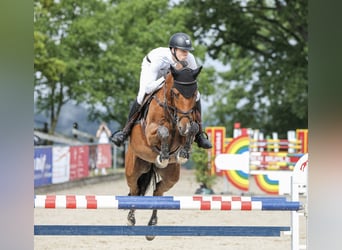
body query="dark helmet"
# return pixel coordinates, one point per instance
(181, 41)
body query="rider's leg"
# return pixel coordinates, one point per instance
(119, 137)
(200, 138)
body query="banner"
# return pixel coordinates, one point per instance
(60, 164)
(104, 156)
(92, 156)
(79, 162)
(42, 166)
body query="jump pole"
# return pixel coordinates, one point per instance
(166, 202)
(105, 230)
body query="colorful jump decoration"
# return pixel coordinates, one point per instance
(217, 136)
(266, 184)
(273, 160)
(302, 134)
(239, 178)
(240, 157)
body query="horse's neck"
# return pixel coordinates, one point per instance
(167, 92)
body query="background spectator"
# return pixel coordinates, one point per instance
(103, 133)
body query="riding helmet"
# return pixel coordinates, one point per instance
(181, 41)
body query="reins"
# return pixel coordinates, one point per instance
(168, 108)
(171, 111)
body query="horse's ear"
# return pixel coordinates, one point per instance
(196, 72)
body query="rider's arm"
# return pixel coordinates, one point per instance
(191, 61)
(153, 84)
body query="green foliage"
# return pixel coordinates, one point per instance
(199, 157)
(90, 51)
(265, 45)
(100, 45)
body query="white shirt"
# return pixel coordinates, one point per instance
(153, 72)
(103, 138)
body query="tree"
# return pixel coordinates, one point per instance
(135, 27)
(90, 51)
(264, 43)
(55, 65)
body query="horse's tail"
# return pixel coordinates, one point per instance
(144, 180)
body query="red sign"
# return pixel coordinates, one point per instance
(79, 156)
(104, 156)
(302, 135)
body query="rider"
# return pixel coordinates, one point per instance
(154, 68)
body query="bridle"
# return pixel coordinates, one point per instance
(172, 110)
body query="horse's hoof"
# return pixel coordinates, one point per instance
(161, 164)
(153, 221)
(130, 223)
(150, 237)
(182, 157)
(182, 160)
(131, 219)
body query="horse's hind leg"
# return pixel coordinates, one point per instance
(153, 221)
(131, 218)
(138, 187)
(169, 177)
(138, 177)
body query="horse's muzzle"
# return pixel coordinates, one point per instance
(184, 125)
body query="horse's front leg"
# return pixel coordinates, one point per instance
(184, 153)
(162, 159)
(153, 221)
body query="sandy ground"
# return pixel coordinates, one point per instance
(186, 186)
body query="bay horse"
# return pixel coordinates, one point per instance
(161, 140)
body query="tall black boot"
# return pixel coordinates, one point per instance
(201, 141)
(119, 137)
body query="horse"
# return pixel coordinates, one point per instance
(161, 140)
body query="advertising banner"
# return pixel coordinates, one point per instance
(60, 164)
(104, 156)
(42, 166)
(79, 156)
(92, 156)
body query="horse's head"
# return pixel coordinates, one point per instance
(183, 94)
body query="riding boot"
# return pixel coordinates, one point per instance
(119, 137)
(200, 138)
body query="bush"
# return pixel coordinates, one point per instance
(199, 157)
